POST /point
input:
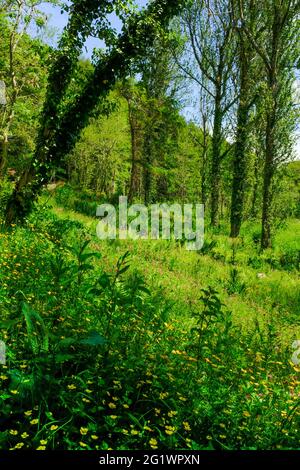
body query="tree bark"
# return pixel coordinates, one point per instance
(216, 158)
(239, 162)
(134, 174)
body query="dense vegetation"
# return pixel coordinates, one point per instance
(123, 344)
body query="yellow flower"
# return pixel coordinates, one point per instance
(134, 432)
(222, 436)
(53, 427)
(93, 436)
(172, 413)
(182, 398)
(163, 395)
(114, 416)
(19, 445)
(13, 432)
(82, 444)
(41, 448)
(14, 392)
(28, 413)
(112, 406)
(24, 435)
(83, 431)
(43, 442)
(170, 430)
(72, 387)
(186, 426)
(125, 406)
(153, 443)
(209, 438)
(246, 414)
(34, 421)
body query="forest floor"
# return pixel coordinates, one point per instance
(125, 344)
(264, 288)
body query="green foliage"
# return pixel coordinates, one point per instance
(102, 356)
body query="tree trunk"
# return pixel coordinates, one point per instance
(204, 162)
(255, 188)
(239, 162)
(3, 154)
(216, 159)
(134, 175)
(267, 183)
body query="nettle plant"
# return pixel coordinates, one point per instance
(213, 325)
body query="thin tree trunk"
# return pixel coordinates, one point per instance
(204, 162)
(267, 182)
(134, 174)
(255, 189)
(216, 160)
(239, 162)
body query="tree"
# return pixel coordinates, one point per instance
(61, 127)
(246, 96)
(274, 36)
(209, 30)
(22, 62)
(132, 93)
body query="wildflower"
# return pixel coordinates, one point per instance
(13, 432)
(112, 406)
(246, 414)
(41, 448)
(34, 421)
(182, 398)
(94, 437)
(83, 431)
(134, 432)
(125, 406)
(172, 413)
(14, 392)
(82, 444)
(43, 442)
(170, 430)
(186, 426)
(19, 445)
(209, 438)
(24, 435)
(28, 413)
(53, 427)
(72, 387)
(222, 436)
(153, 443)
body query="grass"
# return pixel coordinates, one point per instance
(143, 344)
(182, 274)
